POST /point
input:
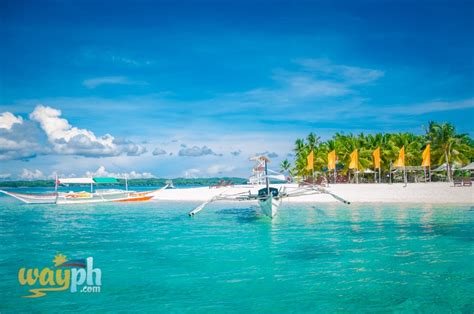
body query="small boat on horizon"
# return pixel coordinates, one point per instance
(85, 197)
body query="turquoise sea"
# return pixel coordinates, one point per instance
(230, 258)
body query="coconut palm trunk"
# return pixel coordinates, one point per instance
(448, 166)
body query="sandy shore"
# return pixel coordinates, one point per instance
(433, 193)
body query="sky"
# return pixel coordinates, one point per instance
(195, 88)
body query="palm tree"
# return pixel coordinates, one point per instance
(447, 145)
(301, 152)
(285, 166)
(413, 144)
(313, 140)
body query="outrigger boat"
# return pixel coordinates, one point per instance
(84, 197)
(269, 198)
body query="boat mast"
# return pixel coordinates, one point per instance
(266, 176)
(56, 183)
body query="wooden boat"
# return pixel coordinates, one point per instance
(84, 197)
(269, 198)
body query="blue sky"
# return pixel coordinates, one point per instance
(195, 88)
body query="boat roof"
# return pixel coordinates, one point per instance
(87, 180)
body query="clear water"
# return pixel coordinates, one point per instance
(230, 258)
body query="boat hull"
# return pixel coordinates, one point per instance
(83, 197)
(34, 198)
(269, 206)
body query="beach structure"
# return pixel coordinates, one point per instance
(469, 167)
(169, 184)
(258, 172)
(85, 197)
(268, 198)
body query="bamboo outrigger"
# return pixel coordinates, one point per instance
(269, 198)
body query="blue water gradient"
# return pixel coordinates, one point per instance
(230, 258)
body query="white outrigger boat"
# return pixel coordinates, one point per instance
(269, 198)
(84, 197)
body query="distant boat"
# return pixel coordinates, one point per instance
(84, 197)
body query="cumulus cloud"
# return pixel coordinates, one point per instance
(102, 172)
(268, 154)
(236, 153)
(32, 174)
(70, 140)
(20, 139)
(196, 151)
(7, 120)
(158, 151)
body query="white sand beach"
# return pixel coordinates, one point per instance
(430, 193)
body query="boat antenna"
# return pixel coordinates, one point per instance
(126, 183)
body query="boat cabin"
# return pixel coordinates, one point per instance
(263, 193)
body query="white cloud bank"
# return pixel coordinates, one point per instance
(212, 171)
(47, 132)
(36, 174)
(32, 174)
(66, 139)
(102, 172)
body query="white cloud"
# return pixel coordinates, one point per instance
(110, 80)
(306, 86)
(211, 171)
(219, 170)
(349, 74)
(195, 151)
(102, 172)
(236, 152)
(158, 151)
(192, 173)
(32, 174)
(268, 154)
(4, 176)
(20, 139)
(66, 139)
(432, 106)
(7, 120)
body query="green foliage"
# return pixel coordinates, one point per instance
(446, 145)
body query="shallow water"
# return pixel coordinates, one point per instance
(230, 258)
